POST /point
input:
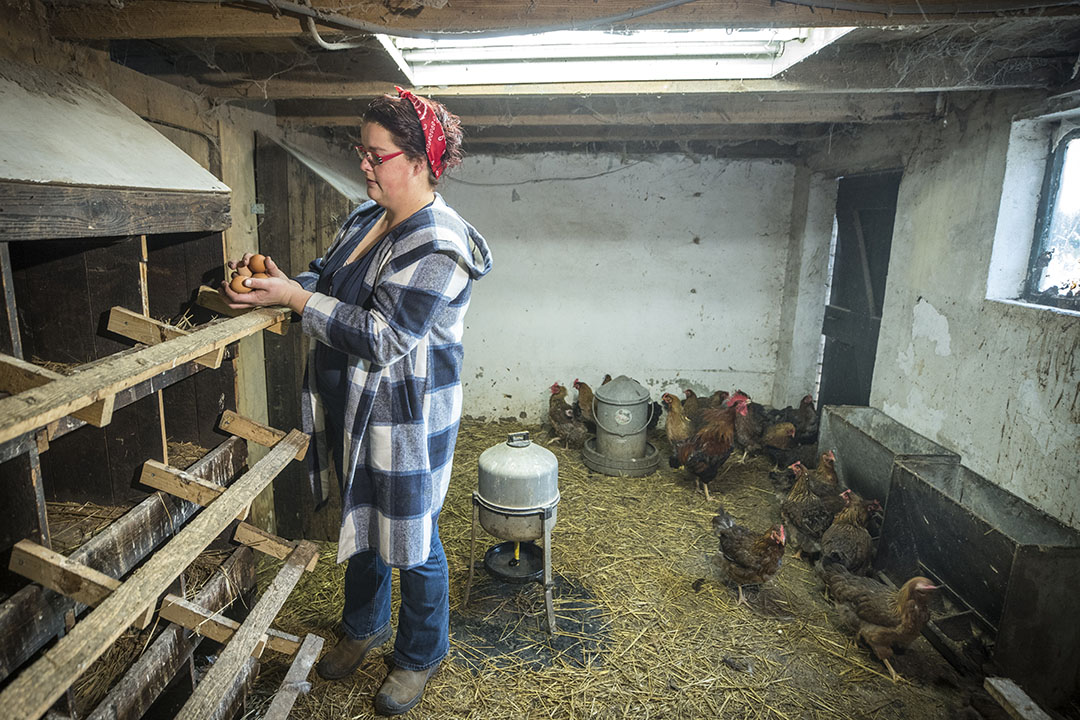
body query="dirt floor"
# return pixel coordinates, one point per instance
(646, 626)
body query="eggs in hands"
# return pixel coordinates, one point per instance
(237, 284)
(255, 268)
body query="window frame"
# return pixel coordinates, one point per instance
(1048, 200)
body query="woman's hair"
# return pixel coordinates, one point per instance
(397, 115)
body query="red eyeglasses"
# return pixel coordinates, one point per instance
(374, 158)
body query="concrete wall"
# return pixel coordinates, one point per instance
(997, 383)
(669, 269)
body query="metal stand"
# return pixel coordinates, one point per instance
(549, 585)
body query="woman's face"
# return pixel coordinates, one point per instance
(396, 179)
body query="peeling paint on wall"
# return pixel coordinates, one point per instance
(928, 323)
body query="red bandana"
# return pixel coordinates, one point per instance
(434, 137)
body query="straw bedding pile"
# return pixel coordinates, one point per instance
(647, 629)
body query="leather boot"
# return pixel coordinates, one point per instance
(402, 689)
(347, 655)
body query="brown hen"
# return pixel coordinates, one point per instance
(571, 430)
(882, 617)
(847, 541)
(748, 557)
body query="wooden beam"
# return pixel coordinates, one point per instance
(211, 299)
(69, 423)
(67, 577)
(731, 110)
(33, 616)
(1013, 699)
(281, 705)
(205, 699)
(148, 331)
(179, 483)
(136, 691)
(31, 694)
(196, 490)
(37, 407)
(258, 539)
(254, 431)
(33, 211)
(18, 375)
(159, 20)
(212, 624)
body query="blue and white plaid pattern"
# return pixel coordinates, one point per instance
(404, 401)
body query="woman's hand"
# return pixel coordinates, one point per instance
(277, 289)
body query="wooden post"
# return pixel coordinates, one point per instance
(144, 293)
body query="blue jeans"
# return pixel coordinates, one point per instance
(423, 636)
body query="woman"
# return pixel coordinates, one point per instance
(385, 308)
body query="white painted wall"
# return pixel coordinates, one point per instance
(668, 269)
(998, 383)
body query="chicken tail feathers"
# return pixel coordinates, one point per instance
(722, 521)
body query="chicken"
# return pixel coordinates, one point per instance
(703, 450)
(826, 485)
(583, 407)
(847, 541)
(779, 436)
(572, 431)
(692, 406)
(749, 423)
(806, 422)
(882, 617)
(607, 379)
(806, 514)
(748, 557)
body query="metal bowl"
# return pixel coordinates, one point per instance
(529, 567)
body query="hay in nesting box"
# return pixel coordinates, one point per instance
(183, 455)
(72, 524)
(646, 626)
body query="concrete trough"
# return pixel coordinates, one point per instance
(1013, 565)
(867, 442)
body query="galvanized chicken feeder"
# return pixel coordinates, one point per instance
(622, 411)
(516, 500)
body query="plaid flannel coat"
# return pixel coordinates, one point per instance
(404, 366)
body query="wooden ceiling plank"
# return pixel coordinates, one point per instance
(158, 19)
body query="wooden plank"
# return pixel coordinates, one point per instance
(31, 693)
(179, 483)
(211, 299)
(18, 375)
(149, 331)
(63, 426)
(295, 680)
(33, 616)
(149, 675)
(212, 624)
(33, 211)
(254, 431)
(144, 296)
(1013, 699)
(70, 578)
(206, 697)
(37, 407)
(206, 623)
(267, 543)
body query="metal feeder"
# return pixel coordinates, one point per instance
(621, 409)
(516, 500)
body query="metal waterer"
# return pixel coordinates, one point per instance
(621, 409)
(516, 500)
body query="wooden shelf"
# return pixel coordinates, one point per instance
(38, 406)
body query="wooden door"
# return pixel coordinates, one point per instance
(865, 212)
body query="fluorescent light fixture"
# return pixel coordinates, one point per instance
(598, 56)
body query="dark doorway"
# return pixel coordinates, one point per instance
(865, 211)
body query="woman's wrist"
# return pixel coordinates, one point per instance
(297, 299)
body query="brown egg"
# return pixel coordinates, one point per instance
(242, 270)
(237, 285)
(257, 263)
(259, 275)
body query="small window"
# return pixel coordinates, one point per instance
(1054, 274)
